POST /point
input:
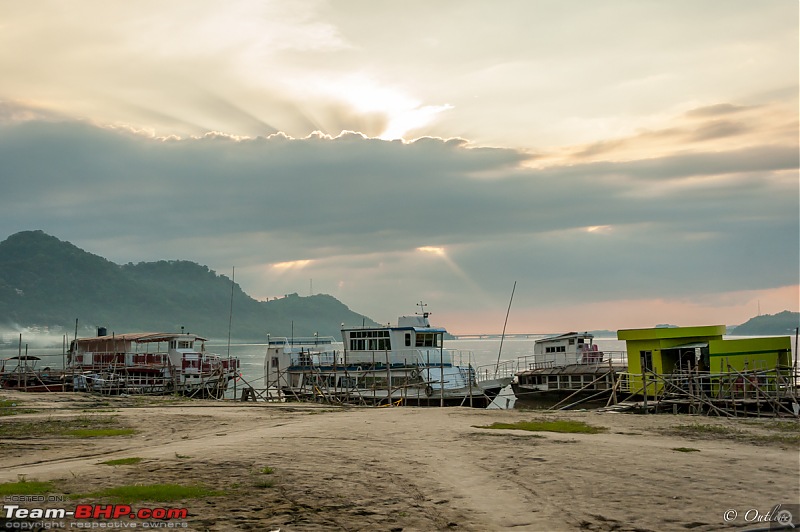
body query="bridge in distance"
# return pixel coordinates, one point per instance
(498, 336)
(484, 336)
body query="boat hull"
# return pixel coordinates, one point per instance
(476, 395)
(584, 384)
(475, 399)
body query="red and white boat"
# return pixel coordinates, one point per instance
(149, 363)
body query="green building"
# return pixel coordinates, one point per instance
(663, 352)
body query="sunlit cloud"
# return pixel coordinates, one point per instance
(433, 250)
(405, 121)
(292, 265)
(364, 97)
(599, 229)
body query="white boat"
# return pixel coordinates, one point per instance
(149, 363)
(564, 366)
(403, 365)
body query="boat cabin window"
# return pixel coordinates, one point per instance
(408, 339)
(572, 341)
(183, 344)
(274, 362)
(556, 349)
(369, 341)
(429, 340)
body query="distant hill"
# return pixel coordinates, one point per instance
(46, 282)
(780, 324)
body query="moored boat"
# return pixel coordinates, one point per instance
(403, 365)
(149, 363)
(22, 374)
(566, 366)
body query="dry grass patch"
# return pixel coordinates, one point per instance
(151, 492)
(122, 461)
(80, 427)
(776, 433)
(556, 425)
(25, 487)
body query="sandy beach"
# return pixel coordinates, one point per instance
(318, 467)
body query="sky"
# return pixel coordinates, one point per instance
(616, 164)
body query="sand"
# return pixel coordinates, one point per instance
(413, 468)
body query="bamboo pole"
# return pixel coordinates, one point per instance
(613, 396)
(573, 394)
(644, 383)
(469, 378)
(388, 378)
(683, 392)
(632, 394)
(613, 374)
(601, 392)
(776, 403)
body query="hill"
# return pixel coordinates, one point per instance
(46, 282)
(780, 324)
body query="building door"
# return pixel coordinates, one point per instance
(646, 358)
(646, 362)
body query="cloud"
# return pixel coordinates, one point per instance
(720, 109)
(532, 75)
(353, 213)
(344, 137)
(699, 131)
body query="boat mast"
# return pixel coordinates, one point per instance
(503, 336)
(230, 322)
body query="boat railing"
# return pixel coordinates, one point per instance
(589, 359)
(422, 357)
(502, 370)
(463, 357)
(300, 341)
(315, 357)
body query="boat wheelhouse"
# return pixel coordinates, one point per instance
(149, 363)
(407, 364)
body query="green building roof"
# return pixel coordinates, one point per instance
(663, 333)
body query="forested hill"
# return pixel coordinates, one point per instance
(47, 282)
(780, 324)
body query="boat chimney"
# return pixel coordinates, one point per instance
(102, 331)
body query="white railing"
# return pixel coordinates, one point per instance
(300, 341)
(407, 357)
(503, 370)
(590, 359)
